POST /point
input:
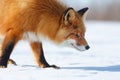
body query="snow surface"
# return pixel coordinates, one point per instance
(101, 62)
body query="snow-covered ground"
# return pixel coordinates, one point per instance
(101, 62)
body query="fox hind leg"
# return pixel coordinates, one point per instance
(7, 46)
(11, 61)
(6, 54)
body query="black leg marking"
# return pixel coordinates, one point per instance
(42, 58)
(6, 53)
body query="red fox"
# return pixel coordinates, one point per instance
(37, 20)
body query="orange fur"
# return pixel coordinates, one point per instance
(42, 13)
(48, 18)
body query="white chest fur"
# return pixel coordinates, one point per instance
(33, 37)
(1, 39)
(30, 36)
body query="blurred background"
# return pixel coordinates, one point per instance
(105, 10)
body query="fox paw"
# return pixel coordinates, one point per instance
(10, 61)
(52, 66)
(2, 66)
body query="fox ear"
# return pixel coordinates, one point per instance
(69, 16)
(83, 11)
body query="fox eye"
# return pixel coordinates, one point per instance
(76, 35)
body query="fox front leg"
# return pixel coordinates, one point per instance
(39, 55)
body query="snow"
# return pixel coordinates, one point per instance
(101, 62)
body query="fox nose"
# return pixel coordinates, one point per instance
(87, 47)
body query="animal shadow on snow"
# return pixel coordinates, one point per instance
(29, 66)
(114, 68)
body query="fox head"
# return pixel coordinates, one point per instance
(72, 29)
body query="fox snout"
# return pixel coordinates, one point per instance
(82, 44)
(87, 47)
(77, 44)
(78, 41)
(81, 47)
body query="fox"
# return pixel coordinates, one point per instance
(37, 20)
